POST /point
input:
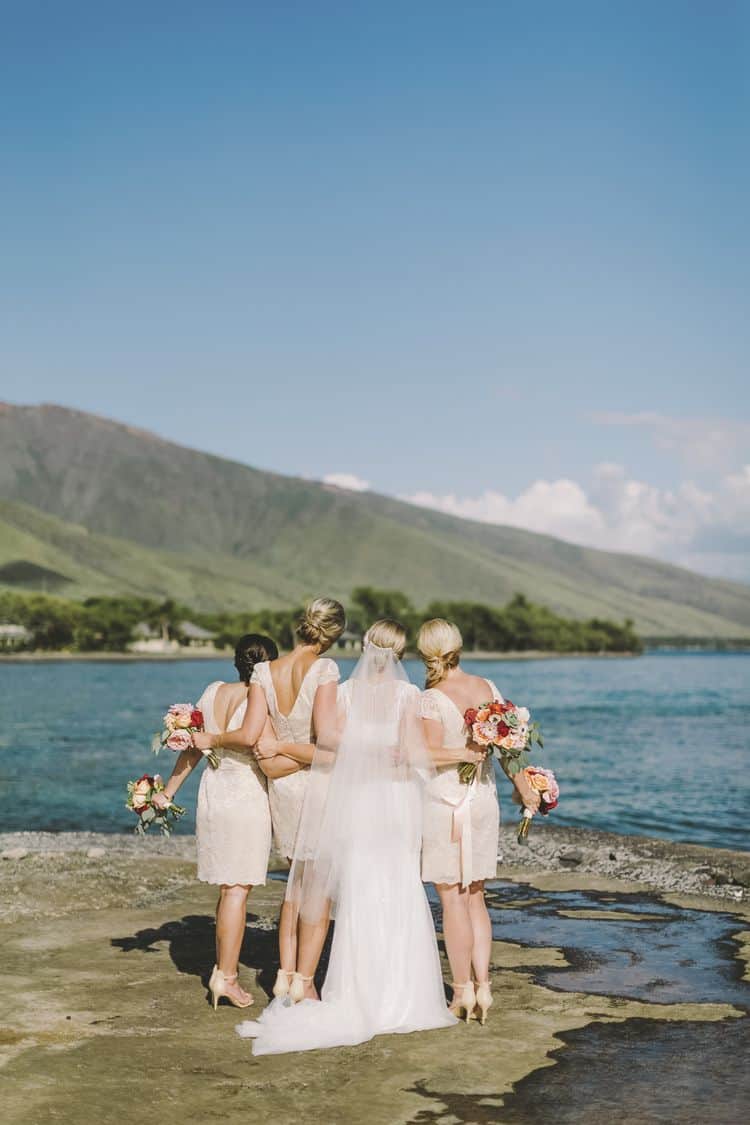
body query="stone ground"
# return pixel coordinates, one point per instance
(106, 944)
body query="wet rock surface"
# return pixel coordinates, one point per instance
(106, 958)
(605, 1072)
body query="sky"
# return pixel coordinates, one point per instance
(491, 257)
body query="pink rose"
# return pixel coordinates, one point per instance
(179, 740)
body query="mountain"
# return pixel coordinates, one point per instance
(93, 506)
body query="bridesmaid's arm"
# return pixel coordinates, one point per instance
(245, 737)
(446, 755)
(301, 753)
(325, 715)
(270, 758)
(278, 766)
(183, 767)
(528, 797)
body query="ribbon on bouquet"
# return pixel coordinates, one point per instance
(461, 827)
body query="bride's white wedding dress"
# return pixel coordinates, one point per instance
(358, 853)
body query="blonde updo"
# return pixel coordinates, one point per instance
(439, 643)
(387, 633)
(322, 623)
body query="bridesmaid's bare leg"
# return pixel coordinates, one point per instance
(482, 932)
(457, 929)
(288, 936)
(312, 936)
(231, 917)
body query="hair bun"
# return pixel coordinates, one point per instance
(322, 623)
(439, 643)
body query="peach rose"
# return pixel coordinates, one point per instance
(179, 740)
(141, 794)
(538, 781)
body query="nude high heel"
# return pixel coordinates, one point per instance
(297, 988)
(484, 1000)
(281, 986)
(463, 1000)
(217, 986)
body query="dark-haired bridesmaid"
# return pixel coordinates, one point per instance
(233, 821)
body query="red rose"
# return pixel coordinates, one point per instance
(502, 729)
(496, 708)
(196, 718)
(146, 777)
(508, 706)
(470, 716)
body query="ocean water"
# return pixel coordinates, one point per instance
(652, 746)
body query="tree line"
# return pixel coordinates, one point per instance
(107, 624)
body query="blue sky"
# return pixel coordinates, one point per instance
(493, 256)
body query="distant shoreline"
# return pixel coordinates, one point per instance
(227, 655)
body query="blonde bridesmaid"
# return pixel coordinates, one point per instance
(460, 838)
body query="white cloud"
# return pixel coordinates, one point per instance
(707, 443)
(347, 480)
(708, 531)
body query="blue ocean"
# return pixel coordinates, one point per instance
(654, 746)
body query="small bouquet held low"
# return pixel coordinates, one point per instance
(545, 784)
(179, 724)
(140, 800)
(508, 732)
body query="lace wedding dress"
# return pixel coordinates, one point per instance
(357, 856)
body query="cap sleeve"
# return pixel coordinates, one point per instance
(430, 706)
(328, 671)
(258, 676)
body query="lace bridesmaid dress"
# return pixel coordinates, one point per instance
(233, 820)
(286, 794)
(461, 823)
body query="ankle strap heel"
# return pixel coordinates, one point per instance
(297, 987)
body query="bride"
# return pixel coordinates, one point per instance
(357, 860)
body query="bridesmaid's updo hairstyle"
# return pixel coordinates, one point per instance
(387, 633)
(439, 643)
(322, 623)
(252, 649)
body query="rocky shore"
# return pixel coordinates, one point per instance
(554, 854)
(613, 958)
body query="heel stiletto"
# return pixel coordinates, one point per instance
(463, 1000)
(297, 987)
(281, 987)
(217, 986)
(484, 1000)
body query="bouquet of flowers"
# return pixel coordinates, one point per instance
(178, 725)
(503, 729)
(545, 784)
(140, 801)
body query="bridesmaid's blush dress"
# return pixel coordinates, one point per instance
(461, 822)
(286, 794)
(233, 820)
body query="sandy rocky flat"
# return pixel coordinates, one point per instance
(107, 942)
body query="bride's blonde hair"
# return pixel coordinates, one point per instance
(387, 633)
(322, 623)
(439, 643)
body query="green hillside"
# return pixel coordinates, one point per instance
(111, 509)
